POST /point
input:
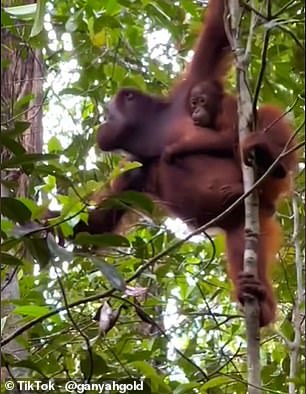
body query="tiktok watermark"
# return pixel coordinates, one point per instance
(74, 386)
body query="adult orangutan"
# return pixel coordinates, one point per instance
(203, 180)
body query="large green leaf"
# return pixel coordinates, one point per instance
(39, 18)
(31, 310)
(8, 259)
(38, 248)
(15, 210)
(102, 240)
(25, 12)
(12, 145)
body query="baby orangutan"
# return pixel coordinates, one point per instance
(214, 114)
(205, 103)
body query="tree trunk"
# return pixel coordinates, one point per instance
(22, 76)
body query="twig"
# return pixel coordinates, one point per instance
(284, 8)
(253, 10)
(9, 279)
(262, 69)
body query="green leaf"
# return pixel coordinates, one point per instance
(156, 10)
(15, 210)
(77, 91)
(28, 364)
(138, 355)
(26, 159)
(31, 310)
(22, 11)
(96, 364)
(10, 243)
(131, 165)
(287, 329)
(140, 248)
(102, 240)
(39, 250)
(37, 211)
(8, 259)
(6, 21)
(105, 20)
(216, 382)
(22, 103)
(72, 23)
(54, 145)
(11, 144)
(186, 388)
(49, 169)
(111, 274)
(268, 371)
(145, 368)
(286, 365)
(149, 372)
(135, 80)
(112, 7)
(39, 18)
(19, 128)
(137, 200)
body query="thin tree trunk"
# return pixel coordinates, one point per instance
(245, 117)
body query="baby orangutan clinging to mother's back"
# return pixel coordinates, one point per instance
(211, 111)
